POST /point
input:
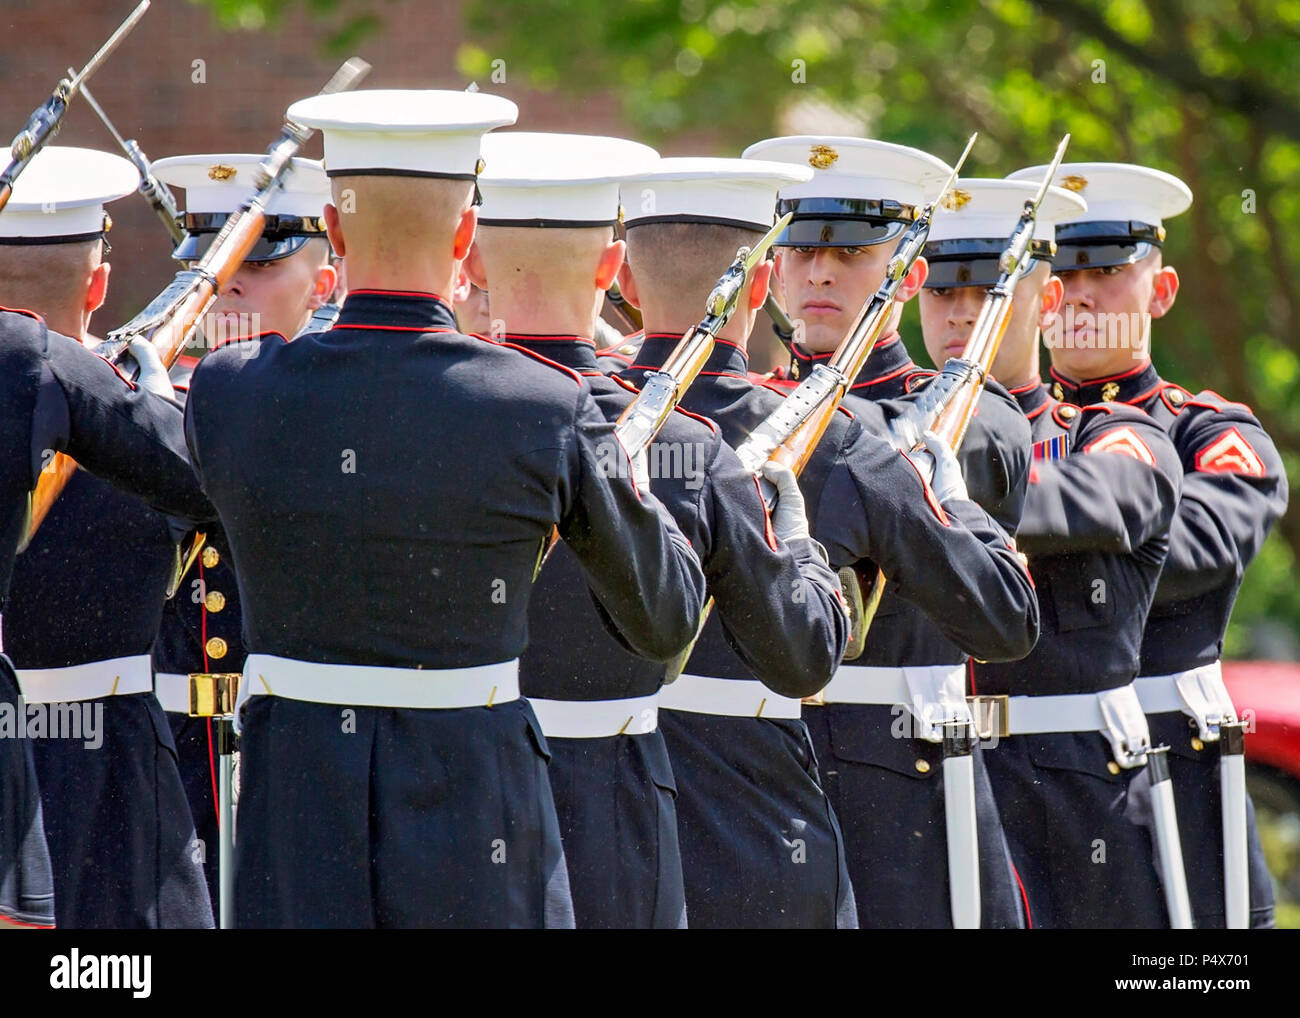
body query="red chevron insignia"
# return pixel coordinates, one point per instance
(1126, 442)
(1230, 453)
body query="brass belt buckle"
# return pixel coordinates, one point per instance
(213, 694)
(817, 699)
(991, 716)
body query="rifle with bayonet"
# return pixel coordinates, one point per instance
(791, 433)
(171, 319)
(641, 420)
(155, 192)
(947, 404)
(663, 389)
(46, 119)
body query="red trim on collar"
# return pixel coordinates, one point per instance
(713, 427)
(397, 328)
(577, 378)
(727, 342)
(884, 378)
(1099, 381)
(403, 293)
(1037, 412)
(244, 339)
(1027, 387)
(1134, 400)
(23, 311)
(549, 337)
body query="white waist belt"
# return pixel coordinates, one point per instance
(114, 677)
(932, 694)
(596, 719)
(1199, 693)
(372, 686)
(1115, 713)
(733, 698)
(173, 692)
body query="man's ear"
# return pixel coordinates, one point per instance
(473, 268)
(327, 281)
(464, 233)
(627, 284)
(334, 230)
(759, 282)
(1052, 299)
(1164, 291)
(98, 288)
(914, 280)
(611, 260)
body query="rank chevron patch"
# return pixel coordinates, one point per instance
(1126, 442)
(1230, 453)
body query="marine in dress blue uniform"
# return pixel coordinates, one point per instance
(284, 280)
(87, 596)
(868, 506)
(777, 600)
(1065, 768)
(887, 789)
(430, 468)
(1234, 489)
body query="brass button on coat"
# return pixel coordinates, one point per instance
(1113, 767)
(211, 557)
(923, 766)
(215, 601)
(216, 647)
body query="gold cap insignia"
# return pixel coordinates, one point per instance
(794, 370)
(822, 156)
(1109, 391)
(221, 172)
(1057, 391)
(108, 222)
(1074, 183)
(956, 199)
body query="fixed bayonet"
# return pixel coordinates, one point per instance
(155, 192)
(44, 122)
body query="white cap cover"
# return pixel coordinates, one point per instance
(734, 192)
(61, 194)
(540, 179)
(413, 132)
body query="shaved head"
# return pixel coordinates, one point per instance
(543, 280)
(682, 261)
(48, 278)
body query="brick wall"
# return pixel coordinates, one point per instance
(146, 87)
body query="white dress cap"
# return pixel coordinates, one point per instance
(849, 167)
(61, 194)
(220, 182)
(979, 208)
(404, 132)
(734, 192)
(539, 179)
(1118, 191)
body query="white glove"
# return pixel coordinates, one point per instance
(153, 376)
(789, 516)
(938, 459)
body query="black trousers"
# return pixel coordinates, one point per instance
(888, 793)
(616, 802)
(199, 767)
(121, 837)
(370, 817)
(26, 881)
(761, 847)
(1081, 836)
